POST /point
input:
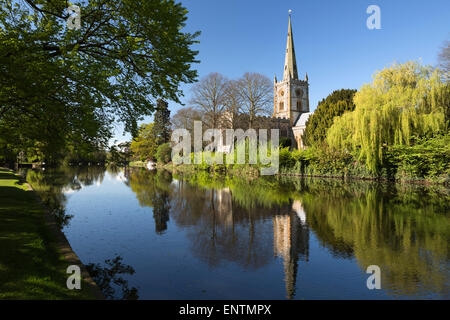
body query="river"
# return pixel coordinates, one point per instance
(153, 235)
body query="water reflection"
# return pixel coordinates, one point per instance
(291, 242)
(53, 185)
(108, 279)
(403, 229)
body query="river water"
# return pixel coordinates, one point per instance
(153, 235)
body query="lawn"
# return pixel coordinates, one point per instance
(30, 265)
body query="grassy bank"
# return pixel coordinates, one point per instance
(31, 266)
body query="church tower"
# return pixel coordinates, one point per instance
(291, 95)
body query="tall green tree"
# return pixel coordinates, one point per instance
(162, 122)
(144, 146)
(59, 85)
(338, 102)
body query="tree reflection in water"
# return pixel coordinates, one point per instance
(152, 190)
(107, 278)
(403, 229)
(52, 184)
(229, 220)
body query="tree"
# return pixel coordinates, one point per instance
(338, 102)
(255, 92)
(164, 153)
(162, 122)
(120, 153)
(184, 118)
(144, 146)
(208, 96)
(444, 58)
(403, 103)
(232, 113)
(59, 85)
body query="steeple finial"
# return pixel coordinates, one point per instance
(306, 77)
(290, 63)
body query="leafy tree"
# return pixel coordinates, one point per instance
(338, 102)
(403, 103)
(144, 146)
(164, 153)
(59, 85)
(162, 122)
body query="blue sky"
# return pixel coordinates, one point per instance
(332, 42)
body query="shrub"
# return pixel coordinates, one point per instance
(285, 142)
(163, 153)
(286, 159)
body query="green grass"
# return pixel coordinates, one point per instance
(30, 265)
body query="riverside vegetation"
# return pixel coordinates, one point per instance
(395, 128)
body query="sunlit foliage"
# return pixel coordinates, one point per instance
(403, 103)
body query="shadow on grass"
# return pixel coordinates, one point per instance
(30, 265)
(5, 174)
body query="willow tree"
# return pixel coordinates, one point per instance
(404, 102)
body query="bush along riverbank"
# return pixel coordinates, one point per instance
(427, 161)
(34, 254)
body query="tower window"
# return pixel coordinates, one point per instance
(281, 106)
(299, 105)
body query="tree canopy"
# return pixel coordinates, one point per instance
(59, 85)
(404, 102)
(144, 146)
(162, 122)
(338, 102)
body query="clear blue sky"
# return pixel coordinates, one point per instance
(332, 43)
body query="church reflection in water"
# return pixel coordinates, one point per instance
(255, 225)
(291, 243)
(222, 229)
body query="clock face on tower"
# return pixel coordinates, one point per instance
(299, 93)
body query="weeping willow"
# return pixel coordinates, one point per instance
(404, 102)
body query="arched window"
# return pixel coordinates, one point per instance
(281, 106)
(299, 105)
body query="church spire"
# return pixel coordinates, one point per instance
(290, 64)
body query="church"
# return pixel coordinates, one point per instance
(291, 95)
